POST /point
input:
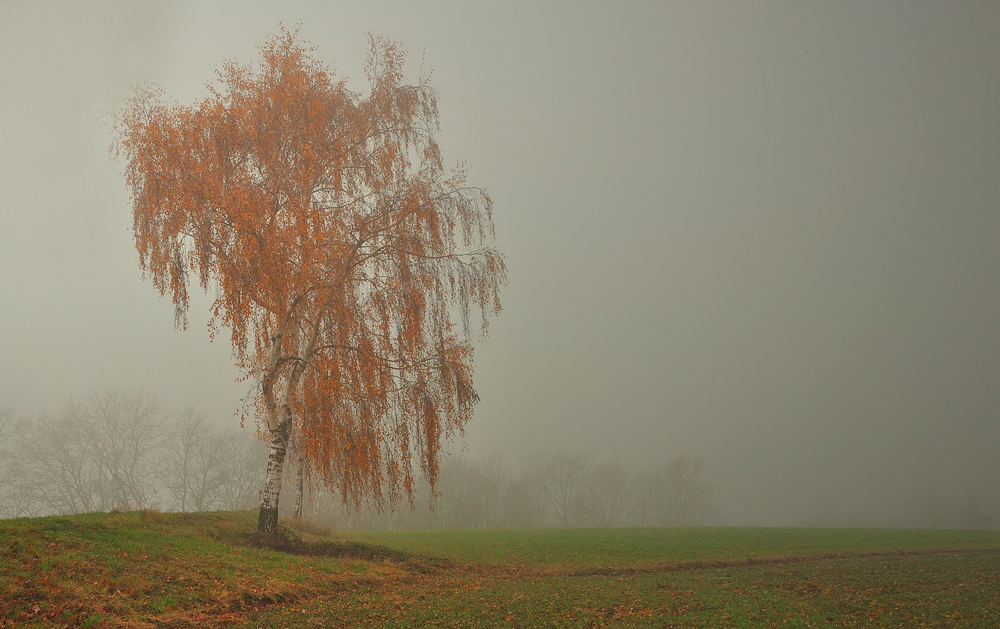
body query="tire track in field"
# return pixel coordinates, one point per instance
(524, 571)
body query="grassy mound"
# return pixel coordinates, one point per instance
(151, 569)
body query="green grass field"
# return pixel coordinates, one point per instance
(148, 569)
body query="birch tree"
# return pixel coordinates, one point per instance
(347, 262)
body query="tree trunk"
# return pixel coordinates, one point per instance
(300, 473)
(280, 424)
(267, 519)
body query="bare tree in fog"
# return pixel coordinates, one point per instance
(193, 463)
(124, 430)
(6, 428)
(690, 494)
(607, 495)
(522, 505)
(52, 468)
(676, 494)
(526, 496)
(116, 450)
(6, 433)
(96, 455)
(566, 474)
(472, 493)
(243, 466)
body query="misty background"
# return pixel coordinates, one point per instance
(766, 235)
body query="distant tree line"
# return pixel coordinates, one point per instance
(120, 450)
(549, 489)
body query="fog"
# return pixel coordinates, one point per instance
(763, 234)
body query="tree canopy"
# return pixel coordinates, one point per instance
(353, 270)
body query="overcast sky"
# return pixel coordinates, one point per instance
(766, 233)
